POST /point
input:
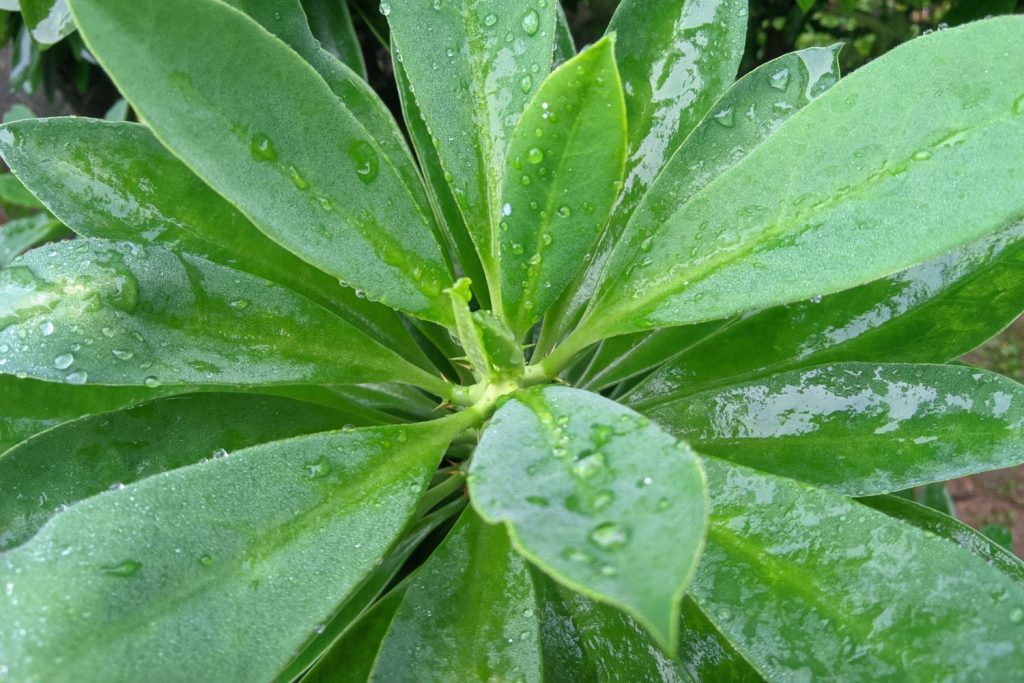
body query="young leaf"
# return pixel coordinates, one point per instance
(116, 181)
(273, 538)
(331, 23)
(13, 192)
(562, 175)
(474, 601)
(493, 54)
(805, 583)
(86, 457)
(859, 428)
(928, 314)
(593, 493)
(244, 142)
(771, 229)
(112, 313)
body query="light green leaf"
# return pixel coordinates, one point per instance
(818, 207)
(21, 234)
(116, 181)
(243, 141)
(493, 352)
(86, 457)
(859, 428)
(331, 23)
(13, 192)
(48, 20)
(493, 55)
(272, 539)
(112, 313)
(474, 601)
(807, 584)
(562, 176)
(928, 314)
(593, 494)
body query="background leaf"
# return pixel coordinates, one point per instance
(331, 23)
(48, 20)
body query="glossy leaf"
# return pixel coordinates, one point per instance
(563, 174)
(859, 428)
(242, 142)
(492, 351)
(331, 23)
(755, 237)
(951, 529)
(593, 493)
(494, 55)
(48, 20)
(21, 234)
(116, 181)
(474, 602)
(109, 313)
(84, 458)
(807, 584)
(930, 314)
(276, 537)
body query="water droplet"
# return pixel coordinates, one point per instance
(77, 377)
(535, 260)
(546, 239)
(123, 569)
(1018, 105)
(490, 20)
(574, 555)
(46, 329)
(535, 156)
(385, 8)
(63, 361)
(601, 434)
(780, 79)
(526, 84)
(319, 469)
(531, 22)
(602, 500)
(564, 211)
(725, 117)
(608, 570)
(816, 299)
(206, 560)
(517, 248)
(240, 304)
(663, 504)
(645, 482)
(1017, 616)
(589, 465)
(525, 180)
(528, 613)
(298, 179)
(610, 536)
(366, 160)
(151, 382)
(220, 453)
(539, 501)
(262, 148)
(923, 155)
(121, 354)
(506, 210)
(117, 486)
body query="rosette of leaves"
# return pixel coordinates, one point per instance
(626, 358)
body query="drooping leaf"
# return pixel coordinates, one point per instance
(951, 529)
(48, 20)
(474, 601)
(112, 313)
(21, 234)
(244, 143)
(270, 541)
(807, 584)
(331, 23)
(86, 457)
(116, 181)
(494, 55)
(798, 219)
(562, 176)
(859, 428)
(933, 313)
(593, 493)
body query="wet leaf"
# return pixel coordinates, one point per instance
(49, 21)
(331, 23)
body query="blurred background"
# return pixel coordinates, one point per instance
(46, 70)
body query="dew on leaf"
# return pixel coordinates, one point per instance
(63, 361)
(531, 22)
(780, 79)
(77, 377)
(490, 20)
(262, 148)
(535, 155)
(366, 160)
(123, 569)
(610, 536)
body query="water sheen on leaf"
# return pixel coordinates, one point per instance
(593, 493)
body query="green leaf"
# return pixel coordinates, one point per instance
(711, 149)
(492, 350)
(951, 529)
(562, 176)
(474, 601)
(118, 314)
(859, 428)
(593, 494)
(28, 406)
(493, 54)
(13, 192)
(806, 5)
(244, 143)
(937, 497)
(928, 314)
(86, 457)
(271, 540)
(807, 584)
(331, 23)
(21, 234)
(48, 20)
(116, 181)
(771, 229)
(565, 44)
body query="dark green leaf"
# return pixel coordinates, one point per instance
(48, 20)
(810, 585)
(240, 559)
(473, 605)
(21, 234)
(593, 493)
(117, 314)
(493, 55)
(331, 23)
(13, 192)
(930, 314)
(491, 349)
(244, 143)
(973, 10)
(859, 428)
(86, 457)
(937, 497)
(562, 176)
(799, 218)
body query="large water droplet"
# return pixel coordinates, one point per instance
(780, 79)
(385, 8)
(151, 382)
(262, 148)
(526, 84)
(490, 20)
(46, 329)
(63, 361)
(610, 536)
(366, 160)
(589, 465)
(121, 354)
(77, 377)
(564, 211)
(535, 156)
(531, 22)
(725, 117)
(298, 179)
